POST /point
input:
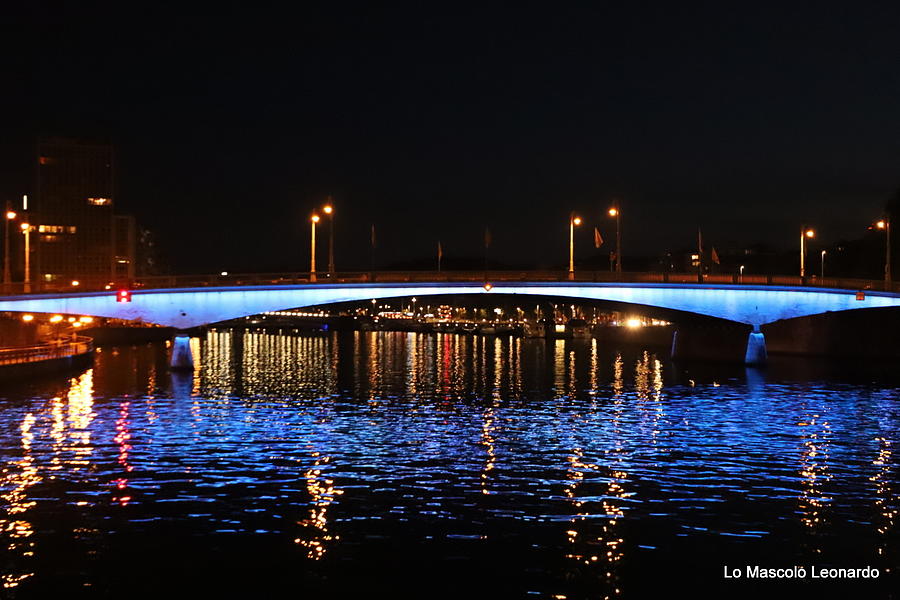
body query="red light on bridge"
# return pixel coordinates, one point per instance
(123, 296)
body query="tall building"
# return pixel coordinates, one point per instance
(76, 234)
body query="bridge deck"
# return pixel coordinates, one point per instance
(298, 278)
(210, 302)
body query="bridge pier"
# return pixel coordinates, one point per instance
(182, 359)
(756, 348)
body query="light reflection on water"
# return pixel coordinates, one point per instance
(569, 468)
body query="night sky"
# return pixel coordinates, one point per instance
(232, 126)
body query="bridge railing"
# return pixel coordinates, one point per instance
(48, 351)
(293, 278)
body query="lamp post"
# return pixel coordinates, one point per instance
(886, 225)
(10, 215)
(615, 213)
(741, 271)
(573, 221)
(822, 265)
(26, 229)
(805, 232)
(328, 209)
(312, 248)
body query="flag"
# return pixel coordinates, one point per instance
(714, 256)
(598, 239)
(373, 235)
(487, 237)
(700, 242)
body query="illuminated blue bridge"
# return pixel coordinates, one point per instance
(187, 307)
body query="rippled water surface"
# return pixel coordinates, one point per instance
(440, 465)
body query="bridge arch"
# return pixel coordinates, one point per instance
(184, 308)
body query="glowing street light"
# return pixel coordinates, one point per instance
(10, 215)
(885, 224)
(328, 209)
(822, 265)
(26, 229)
(616, 214)
(805, 233)
(573, 221)
(312, 253)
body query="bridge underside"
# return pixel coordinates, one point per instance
(184, 308)
(191, 307)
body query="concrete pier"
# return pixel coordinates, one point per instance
(756, 349)
(182, 358)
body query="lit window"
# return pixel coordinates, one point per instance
(99, 201)
(56, 229)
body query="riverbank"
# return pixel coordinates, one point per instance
(45, 359)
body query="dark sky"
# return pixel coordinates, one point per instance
(232, 126)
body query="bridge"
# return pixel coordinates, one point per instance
(186, 302)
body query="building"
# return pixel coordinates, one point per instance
(76, 235)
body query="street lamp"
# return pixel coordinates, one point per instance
(822, 267)
(573, 221)
(615, 213)
(10, 215)
(312, 245)
(328, 209)
(741, 271)
(26, 229)
(805, 232)
(886, 225)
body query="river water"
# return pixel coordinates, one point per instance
(439, 465)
